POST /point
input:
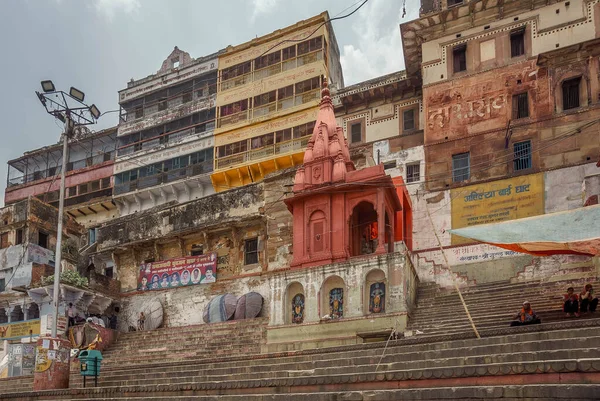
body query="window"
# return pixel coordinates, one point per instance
(43, 240)
(356, 132)
(105, 182)
(413, 172)
(389, 165)
(460, 58)
(454, 2)
(251, 251)
(570, 90)
(109, 272)
(92, 236)
(19, 236)
(517, 43)
(83, 189)
(176, 64)
(461, 167)
(71, 191)
(95, 185)
(522, 154)
(520, 106)
(3, 240)
(408, 120)
(197, 250)
(2, 285)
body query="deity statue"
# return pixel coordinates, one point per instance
(377, 298)
(336, 303)
(298, 309)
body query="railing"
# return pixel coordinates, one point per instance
(172, 137)
(187, 96)
(272, 107)
(297, 144)
(53, 171)
(163, 178)
(271, 70)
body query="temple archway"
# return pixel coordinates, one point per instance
(17, 314)
(33, 311)
(364, 232)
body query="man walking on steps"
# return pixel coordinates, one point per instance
(525, 316)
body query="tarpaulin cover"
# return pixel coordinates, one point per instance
(248, 306)
(220, 309)
(574, 231)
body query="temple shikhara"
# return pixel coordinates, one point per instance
(255, 227)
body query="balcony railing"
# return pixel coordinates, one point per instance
(53, 171)
(164, 177)
(294, 145)
(272, 107)
(271, 70)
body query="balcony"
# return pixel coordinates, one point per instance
(271, 70)
(267, 109)
(54, 171)
(163, 177)
(294, 145)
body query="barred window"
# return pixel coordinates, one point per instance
(413, 172)
(522, 155)
(461, 167)
(570, 89)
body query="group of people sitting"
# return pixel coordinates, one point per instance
(574, 305)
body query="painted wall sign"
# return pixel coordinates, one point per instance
(17, 330)
(497, 201)
(180, 272)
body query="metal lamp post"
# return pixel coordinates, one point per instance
(72, 111)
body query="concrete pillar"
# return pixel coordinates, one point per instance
(52, 364)
(9, 312)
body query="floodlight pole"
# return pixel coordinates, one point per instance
(61, 206)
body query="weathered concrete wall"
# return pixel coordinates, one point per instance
(278, 186)
(222, 208)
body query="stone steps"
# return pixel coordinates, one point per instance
(533, 392)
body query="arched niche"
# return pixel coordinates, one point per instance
(33, 311)
(364, 232)
(295, 312)
(3, 316)
(333, 297)
(375, 292)
(17, 314)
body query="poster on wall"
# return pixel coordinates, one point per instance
(493, 202)
(180, 272)
(18, 330)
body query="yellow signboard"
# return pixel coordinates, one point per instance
(493, 202)
(17, 330)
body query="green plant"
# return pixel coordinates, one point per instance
(70, 277)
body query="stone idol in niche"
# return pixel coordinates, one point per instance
(336, 303)
(377, 298)
(298, 309)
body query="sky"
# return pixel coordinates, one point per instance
(97, 46)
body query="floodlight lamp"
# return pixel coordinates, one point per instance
(77, 94)
(48, 86)
(94, 111)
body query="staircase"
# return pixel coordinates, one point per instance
(557, 360)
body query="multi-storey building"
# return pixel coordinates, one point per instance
(165, 134)
(267, 100)
(89, 189)
(511, 109)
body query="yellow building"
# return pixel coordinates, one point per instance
(267, 100)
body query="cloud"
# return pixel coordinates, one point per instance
(379, 47)
(108, 8)
(262, 7)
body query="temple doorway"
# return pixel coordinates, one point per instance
(363, 229)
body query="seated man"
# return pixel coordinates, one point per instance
(588, 300)
(571, 306)
(525, 316)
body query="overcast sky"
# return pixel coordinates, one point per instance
(99, 45)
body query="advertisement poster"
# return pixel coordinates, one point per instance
(493, 202)
(22, 329)
(180, 272)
